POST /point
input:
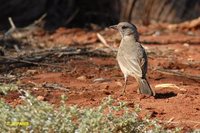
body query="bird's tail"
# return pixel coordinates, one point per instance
(144, 87)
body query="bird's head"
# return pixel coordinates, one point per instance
(126, 29)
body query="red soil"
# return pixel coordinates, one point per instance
(180, 105)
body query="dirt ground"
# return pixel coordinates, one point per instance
(174, 58)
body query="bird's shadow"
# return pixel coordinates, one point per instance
(165, 95)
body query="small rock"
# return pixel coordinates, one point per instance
(190, 33)
(119, 84)
(35, 88)
(31, 72)
(157, 33)
(186, 45)
(190, 58)
(177, 50)
(40, 98)
(101, 80)
(83, 78)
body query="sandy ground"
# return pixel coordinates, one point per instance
(86, 80)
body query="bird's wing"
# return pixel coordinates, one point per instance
(142, 58)
(133, 65)
(136, 60)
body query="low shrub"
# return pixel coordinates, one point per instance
(39, 116)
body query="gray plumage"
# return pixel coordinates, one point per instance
(132, 57)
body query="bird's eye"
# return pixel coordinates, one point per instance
(124, 27)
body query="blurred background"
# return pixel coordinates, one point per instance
(79, 13)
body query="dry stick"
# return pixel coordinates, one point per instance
(36, 22)
(13, 27)
(10, 31)
(40, 19)
(16, 48)
(71, 17)
(101, 38)
(42, 55)
(168, 42)
(170, 121)
(34, 63)
(46, 85)
(6, 78)
(180, 74)
(185, 25)
(11, 23)
(178, 122)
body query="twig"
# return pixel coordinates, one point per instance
(69, 51)
(101, 38)
(195, 122)
(166, 85)
(17, 48)
(178, 73)
(40, 19)
(49, 85)
(7, 78)
(185, 25)
(101, 80)
(178, 122)
(71, 17)
(36, 22)
(11, 23)
(34, 63)
(17, 33)
(169, 42)
(12, 29)
(35, 58)
(170, 120)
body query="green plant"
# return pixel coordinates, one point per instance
(39, 116)
(4, 88)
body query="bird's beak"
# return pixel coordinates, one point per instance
(114, 27)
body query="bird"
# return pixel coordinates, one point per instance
(132, 57)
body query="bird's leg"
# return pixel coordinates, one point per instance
(124, 87)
